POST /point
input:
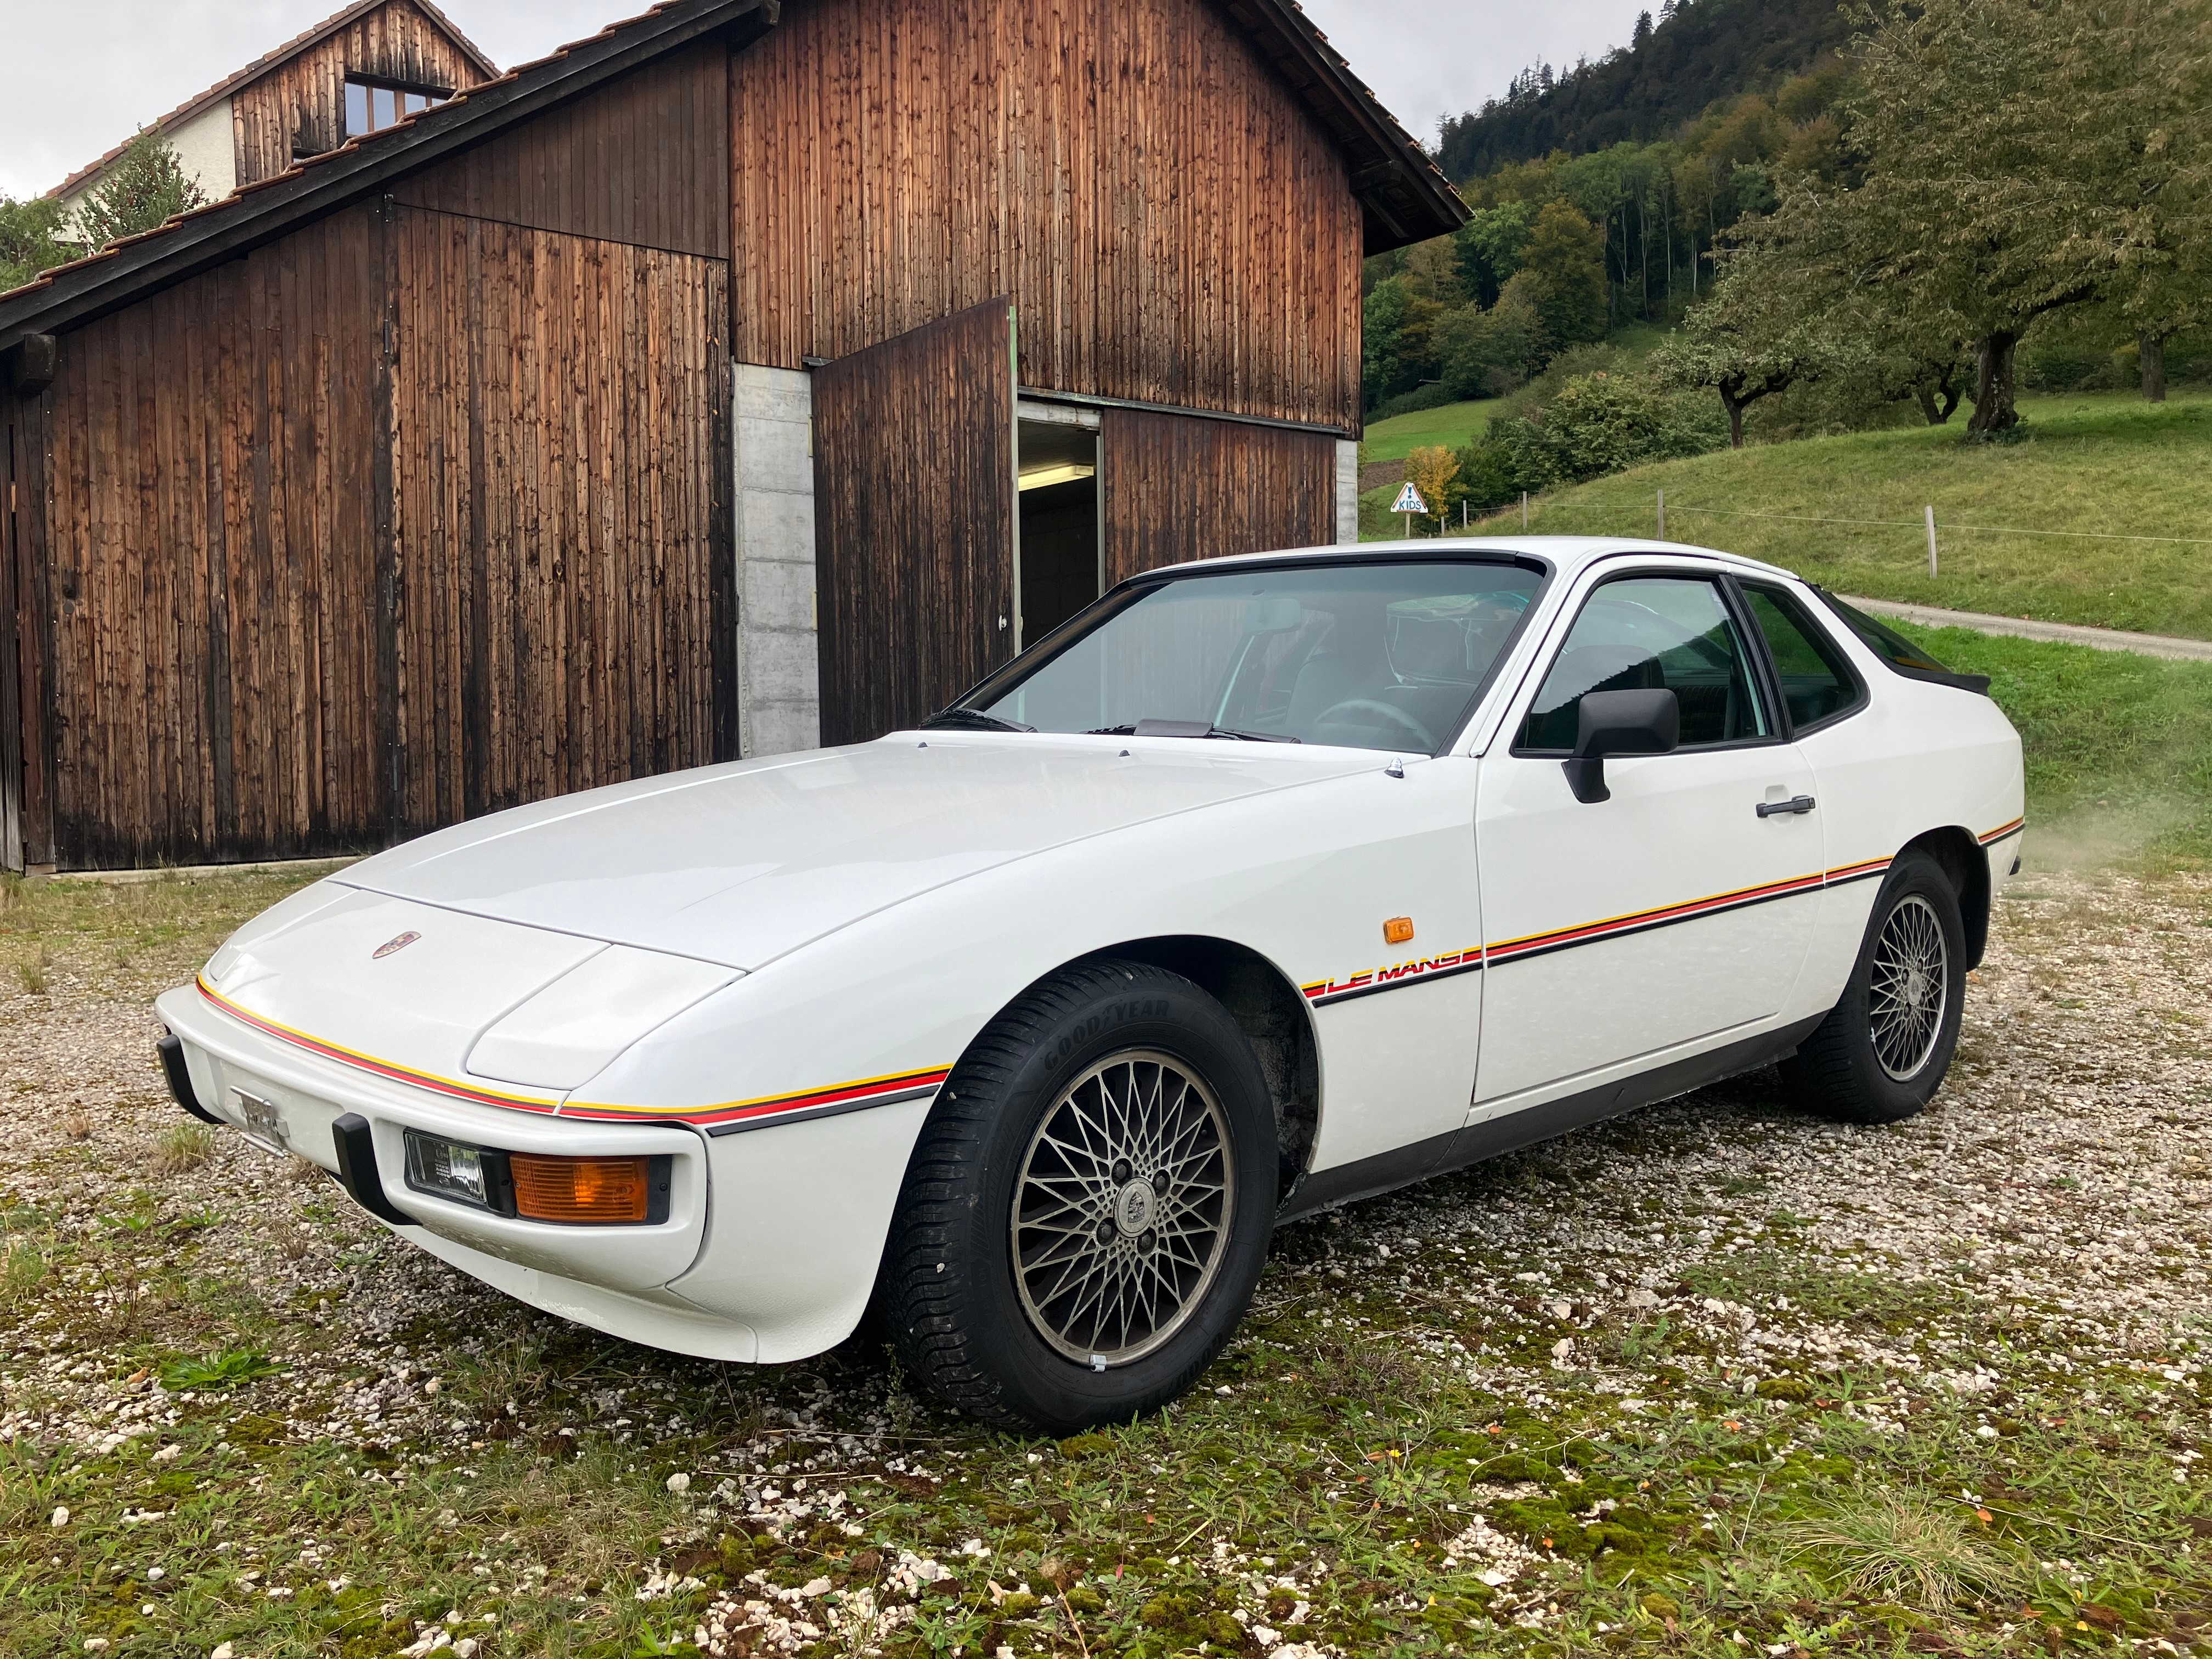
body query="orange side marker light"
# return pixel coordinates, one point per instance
(1398, 930)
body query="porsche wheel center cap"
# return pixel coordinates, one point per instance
(1135, 1208)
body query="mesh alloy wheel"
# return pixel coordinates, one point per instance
(1908, 988)
(1122, 1211)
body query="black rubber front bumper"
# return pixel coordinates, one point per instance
(171, 1048)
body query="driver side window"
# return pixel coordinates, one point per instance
(1649, 632)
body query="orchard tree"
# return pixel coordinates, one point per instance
(146, 186)
(1749, 340)
(2020, 156)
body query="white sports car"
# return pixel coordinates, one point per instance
(1263, 885)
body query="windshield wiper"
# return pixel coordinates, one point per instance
(1187, 729)
(971, 720)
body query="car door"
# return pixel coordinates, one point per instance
(1626, 933)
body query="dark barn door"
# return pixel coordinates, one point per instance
(914, 492)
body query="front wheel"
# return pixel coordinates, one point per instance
(1089, 1207)
(1884, 1048)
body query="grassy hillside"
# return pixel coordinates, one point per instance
(2105, 463)
(1453, 425)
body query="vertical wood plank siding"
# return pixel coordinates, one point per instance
(559, 461)
(914, 512)
(230, 677)
(11, 667)
(210, 536)
(645, 161)
(1178, 487)
(300, 106)
(23, 542)
(1172, 225)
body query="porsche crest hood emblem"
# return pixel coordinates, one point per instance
(400, 942)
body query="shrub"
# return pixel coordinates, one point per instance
(1602, 423)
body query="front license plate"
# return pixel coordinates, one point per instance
(264, 1124)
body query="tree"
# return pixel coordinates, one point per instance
(146, 186)
(1747, 341)
(1565, 264)
(29, 239)
(1433, 471)
(2018, 155)
(1485, 354)
(1491, 245)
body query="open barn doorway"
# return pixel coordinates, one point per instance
(1063, 556)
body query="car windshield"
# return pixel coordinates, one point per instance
(1361, 654)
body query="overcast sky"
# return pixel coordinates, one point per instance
(104, 67)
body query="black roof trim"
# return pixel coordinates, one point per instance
(1403, 195)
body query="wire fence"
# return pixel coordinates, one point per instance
(1658, 506)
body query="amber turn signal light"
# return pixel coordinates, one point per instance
(580, 1189)
(1398, 930)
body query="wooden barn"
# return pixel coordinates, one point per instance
(747, 377)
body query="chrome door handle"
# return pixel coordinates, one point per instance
(1773, 809)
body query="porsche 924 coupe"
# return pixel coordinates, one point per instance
(1263, 885)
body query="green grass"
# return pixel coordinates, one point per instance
(1453, 425)
(2104, 463)
(1355, 1422)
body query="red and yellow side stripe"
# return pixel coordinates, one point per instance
(475, 1094)
(1322, 993)
(724, 1118)
(784, 1109)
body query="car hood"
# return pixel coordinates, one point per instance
(737, 865)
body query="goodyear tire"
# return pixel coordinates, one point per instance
(1884, 1048)
(1088, 1206)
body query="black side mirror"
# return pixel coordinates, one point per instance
(1620, 723)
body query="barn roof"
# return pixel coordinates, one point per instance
(1403, 195)
(274, 60)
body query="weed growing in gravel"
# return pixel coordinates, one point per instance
(182, 1147)
(31, 971)
(1911, 1550)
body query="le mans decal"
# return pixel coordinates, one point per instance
(1469, 961)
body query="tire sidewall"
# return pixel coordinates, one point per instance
(1159, 1012)
(1915, 874)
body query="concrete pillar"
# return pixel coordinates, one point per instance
(1347, 492)
(779, 661)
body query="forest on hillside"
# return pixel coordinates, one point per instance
(1695, 55)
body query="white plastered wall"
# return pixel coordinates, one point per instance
(779, 661)
(207, 150)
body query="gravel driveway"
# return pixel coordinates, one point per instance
(1735, 1321)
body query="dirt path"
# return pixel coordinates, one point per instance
(2102, 639)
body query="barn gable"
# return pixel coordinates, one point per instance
(495, 456)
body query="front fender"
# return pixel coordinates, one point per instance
(812, 1075)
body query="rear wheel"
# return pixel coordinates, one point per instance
(1089, 1207)
(1884, 1048)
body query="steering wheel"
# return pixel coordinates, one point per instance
(1395, 715)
